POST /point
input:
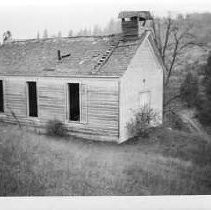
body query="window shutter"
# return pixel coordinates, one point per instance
(84, 107)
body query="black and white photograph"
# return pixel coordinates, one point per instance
(105, 98)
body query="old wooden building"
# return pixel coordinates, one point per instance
(91, 84)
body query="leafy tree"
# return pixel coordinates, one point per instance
(38, 35)
(7, 36)
(59, 34)
(112, 27)
(80, 32)
(70, 33)
(97, 30)
(45, 34)
(84, 32)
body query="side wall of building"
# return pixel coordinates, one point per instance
(99, 102)
(144, 75)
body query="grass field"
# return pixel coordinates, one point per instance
(168, 162)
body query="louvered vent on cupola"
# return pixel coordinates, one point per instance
(134, 23)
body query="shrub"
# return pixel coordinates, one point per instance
(56, 128)
(143, 119)
(189, 90)
(204, 104)
(173, 119)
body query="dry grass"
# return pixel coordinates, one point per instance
(168, 162)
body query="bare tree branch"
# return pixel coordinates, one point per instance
(166, 39)
(157, 34)
(174, 37)
(171, 99)
(173, 58)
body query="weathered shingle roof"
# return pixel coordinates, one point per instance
(100, 56)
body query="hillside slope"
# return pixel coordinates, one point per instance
(168, 162)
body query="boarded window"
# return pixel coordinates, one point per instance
(74, 101)
(145, 99)
(1, 97)
(32, 99)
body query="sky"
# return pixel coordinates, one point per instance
(24, 18)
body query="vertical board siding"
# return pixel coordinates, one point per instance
(98, 99)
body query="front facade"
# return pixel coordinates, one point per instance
(94, 114)
(91, 84)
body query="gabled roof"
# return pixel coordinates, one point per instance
(89, 56)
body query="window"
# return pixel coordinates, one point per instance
(32, 99)
(74, 101)
(145, 99)
(1, 97)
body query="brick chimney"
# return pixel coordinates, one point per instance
(134, 23)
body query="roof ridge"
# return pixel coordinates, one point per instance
(61, 38)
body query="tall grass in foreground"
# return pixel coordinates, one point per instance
(167, 162)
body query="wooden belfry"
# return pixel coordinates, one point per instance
(133, 22)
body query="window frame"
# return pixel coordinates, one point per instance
(68, 103)
(27, 97)
(3, 95)
(150, 97)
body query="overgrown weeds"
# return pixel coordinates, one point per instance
(16, 171)
(173, 120)
(56, 128)
(167, 162)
